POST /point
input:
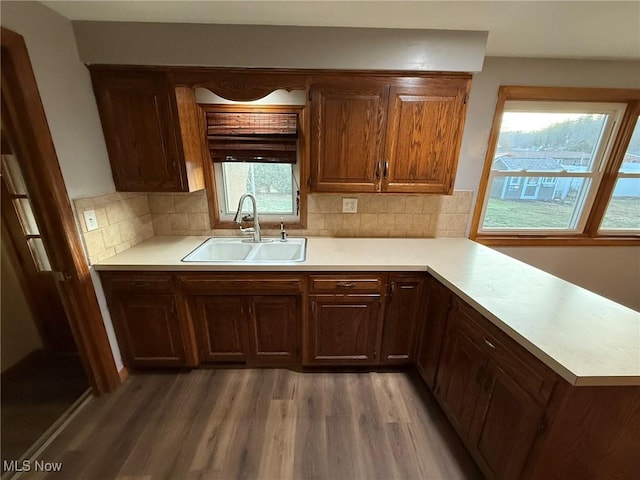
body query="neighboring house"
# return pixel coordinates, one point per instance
(553, 188)
(629, 187)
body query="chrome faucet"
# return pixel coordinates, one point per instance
(255, 230)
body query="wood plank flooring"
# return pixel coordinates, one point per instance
(262, 424)
(34, 394)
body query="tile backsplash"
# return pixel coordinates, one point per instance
(378, 215)
(125, 219)
(390, 215)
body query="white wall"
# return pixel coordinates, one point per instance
(18, 333)
(610, 271)
(613, 272)
(70, 107)
(67, 96)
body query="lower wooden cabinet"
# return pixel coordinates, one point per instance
(343, 329)
(148, 319)
(404, 306)
(363, 319)
(148, 329)
(220, 324)
(274, 335)
(493, 393)
(460, 376)
(507, 421)
(256, 330)
(429, 342)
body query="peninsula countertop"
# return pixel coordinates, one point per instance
(585, 338)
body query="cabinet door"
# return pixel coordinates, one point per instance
(136, 114)
(347, 135)
(423, 136)
(343, 329)
(273, 330)
(460, 375)
(504, 427)
(429, 346)
(403, 306)
(148, 330)
(220, 326)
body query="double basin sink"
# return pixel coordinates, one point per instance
(239, 250)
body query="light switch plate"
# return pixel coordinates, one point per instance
(349, 205)
(90, 220)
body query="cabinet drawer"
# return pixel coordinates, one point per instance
(137, 282)
(345, 284)
(526, 370)
(239, 284)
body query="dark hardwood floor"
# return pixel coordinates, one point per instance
(35, 393)
(262, 424)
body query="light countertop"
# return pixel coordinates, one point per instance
(583, 337)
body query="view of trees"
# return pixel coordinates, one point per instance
(577, 135)
(269, 178)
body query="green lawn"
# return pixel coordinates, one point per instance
(623, 213)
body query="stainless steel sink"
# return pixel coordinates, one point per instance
(238, 250)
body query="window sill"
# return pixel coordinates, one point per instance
(558, 241)
(263, 225)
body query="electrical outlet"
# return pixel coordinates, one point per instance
(90, 220)
(349, 205)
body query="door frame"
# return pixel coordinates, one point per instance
(24, 118)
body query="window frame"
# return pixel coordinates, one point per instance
(213, 198)
(589, 234)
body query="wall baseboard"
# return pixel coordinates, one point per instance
(123, 374)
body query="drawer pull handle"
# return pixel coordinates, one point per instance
(489, 344)
(346, 284)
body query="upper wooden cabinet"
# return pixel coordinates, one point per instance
(387, 134)
(152, 131)
(369, 133)
(348, 121)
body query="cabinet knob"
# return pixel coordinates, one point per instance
(385, 171)
(345, 284)
(378, 167)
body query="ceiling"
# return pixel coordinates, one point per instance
(554, 29)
